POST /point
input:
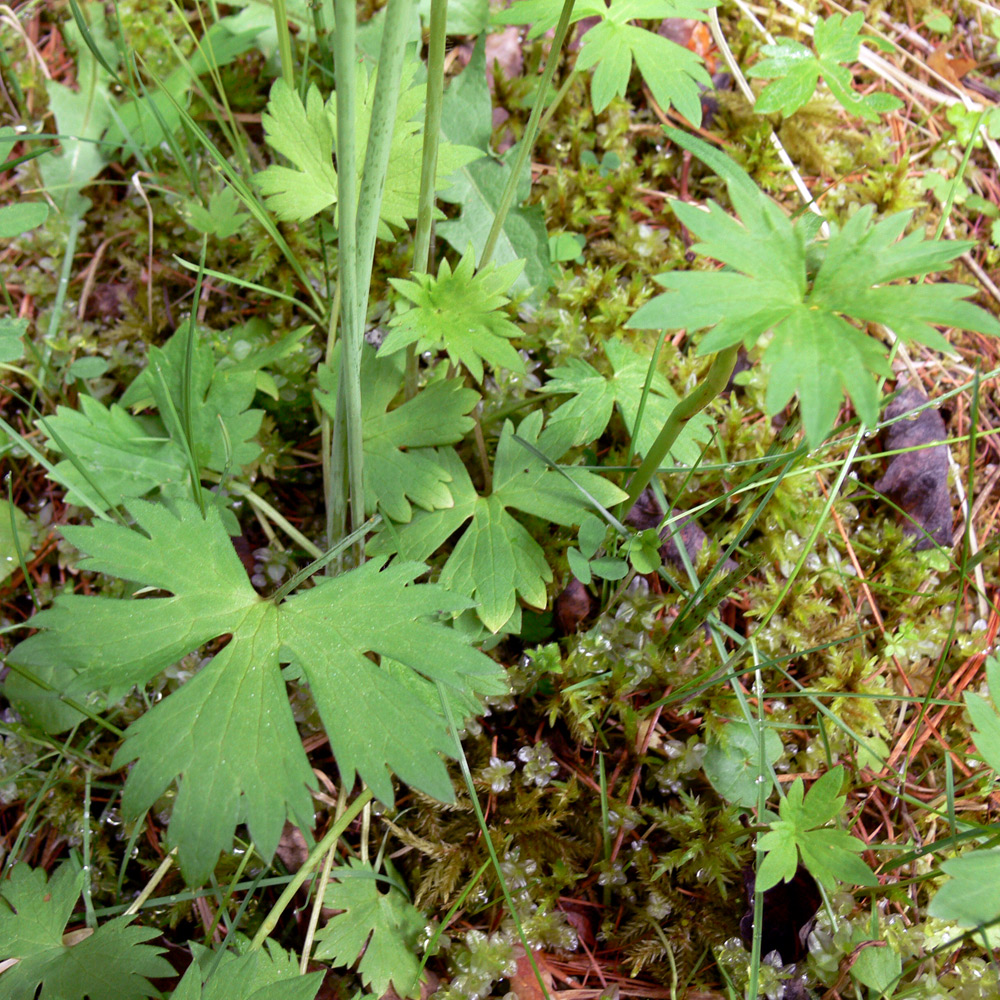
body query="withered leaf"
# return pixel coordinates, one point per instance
(647, 513)
(917, 481)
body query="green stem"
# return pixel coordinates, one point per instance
(55, 320)
(351, 309)
(432, 134)
(557, 100)
(530, 133)
(315, 857)
(428, 163)
(383, 122)
(694, 402)
(284, 43)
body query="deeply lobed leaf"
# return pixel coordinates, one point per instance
(228, 735)
(768, 287)
(459, 312)
(114, 961)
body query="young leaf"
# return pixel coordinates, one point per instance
(671, 71)
(305, 135)
(732, 762)
(126, 456)
(223, 428)
(459, 312)
(114, 961)
(228, 735)
(495, 560)
(400, 463)
(970, 896)
(382, 927)
(984, 716)
(479, 185)
(829, 854)
(594, 396)
(81, 115)
(768, 287)
(798, 71)
(268, 973)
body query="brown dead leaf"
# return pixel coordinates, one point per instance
(525, 984)
(574, 606)
(646, 513)
(917, 481)
(951, 69)
(292, 848)
(505, 48)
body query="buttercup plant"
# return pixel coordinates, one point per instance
(417, 481)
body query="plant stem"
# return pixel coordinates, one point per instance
(432, 134)
(383, 123)
(351, 308)
(428, 163)
(530, 134)
(284, 43)
(694, 402)
(315, 856)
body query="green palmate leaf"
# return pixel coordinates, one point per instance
(305, 135)
(223, 428)
(113, 961)
(459, 312)
(828, 853)
(400, 463)
(984, 716)
(126, 456)
(970, 896)
(671, 71)
(837, 41)
(478, 187)
(269, 973)
(586, 415)
(543, 15)
(81, 115)
(770, 285)
(496, 559)
(732, 761)
(222, 219)
(14, 532)
(381, 925)
(228, 734)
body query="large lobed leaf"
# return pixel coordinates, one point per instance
(380, 926)
(268, 973)
(460, 312)
(114, 961)
(306, 135)
(228, 735)
(496, 560)
(769, 286)
(400, 463)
